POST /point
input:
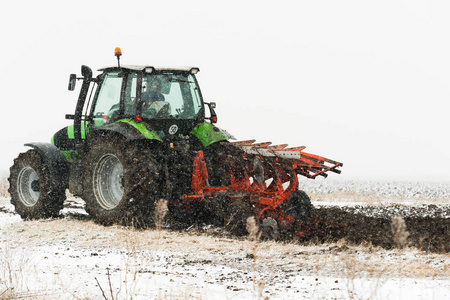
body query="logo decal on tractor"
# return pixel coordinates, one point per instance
(173, 129)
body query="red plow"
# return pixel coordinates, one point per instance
(261, 181)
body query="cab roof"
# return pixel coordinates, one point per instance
(150, 69)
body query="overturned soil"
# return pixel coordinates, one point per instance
(428, 226)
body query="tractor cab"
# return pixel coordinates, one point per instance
(139, 102)
(169, 100)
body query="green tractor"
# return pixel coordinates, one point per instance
(141, 133)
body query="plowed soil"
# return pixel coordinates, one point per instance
(428, 226)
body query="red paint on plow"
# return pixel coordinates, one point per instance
(263, 175)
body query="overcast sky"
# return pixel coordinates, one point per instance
(366, 83)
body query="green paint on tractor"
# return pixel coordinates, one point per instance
(142, 127)
(208, 134)
(84, 129)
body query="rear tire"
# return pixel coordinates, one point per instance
(33, 192)
(121, 182)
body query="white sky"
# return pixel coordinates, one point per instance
(362, 82)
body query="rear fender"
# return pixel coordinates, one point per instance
(129, 129)
(54, 160)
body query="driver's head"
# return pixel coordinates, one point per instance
(155, 85)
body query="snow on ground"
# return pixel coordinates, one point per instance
(351, 193)
(73, 258)
(62, 268)
(7, 218)
(74, 273)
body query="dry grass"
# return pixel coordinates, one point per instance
(399, 233)
(4, 190)
(254, 235)
(160, 212)
(340, 197)
(14, 267)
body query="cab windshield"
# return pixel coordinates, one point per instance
(170, 95)
(166, 95)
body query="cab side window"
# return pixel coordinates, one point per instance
(130, 95)
(107, 104)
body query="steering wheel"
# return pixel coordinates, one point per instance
(164, 111)
(149, 113)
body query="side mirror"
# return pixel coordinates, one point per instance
(72, 81)
(212, 113)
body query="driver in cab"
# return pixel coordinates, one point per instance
(153, 98)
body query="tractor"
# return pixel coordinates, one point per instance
(142, 133)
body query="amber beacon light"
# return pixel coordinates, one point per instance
(118, 53)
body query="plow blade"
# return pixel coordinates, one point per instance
(306, 164)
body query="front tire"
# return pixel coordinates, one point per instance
(33, 192)
(121, 182)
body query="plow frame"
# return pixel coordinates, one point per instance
(268, 195)
(264, 197)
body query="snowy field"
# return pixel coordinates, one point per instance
(74, 258)
(377, 193)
